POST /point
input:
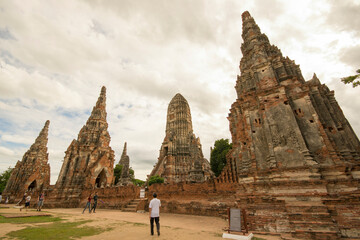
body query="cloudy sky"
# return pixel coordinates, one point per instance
(56, 55)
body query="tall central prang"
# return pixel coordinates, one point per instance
(181, 158)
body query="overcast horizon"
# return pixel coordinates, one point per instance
(55, 57)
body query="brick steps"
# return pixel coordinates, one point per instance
(132, 206)
(311, 220)
(314, 234)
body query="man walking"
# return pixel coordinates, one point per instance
(40, 201)
(88, 204)
(95, 198)
(27, 202)
(154, 214)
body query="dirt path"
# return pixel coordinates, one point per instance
(128, 225)
(134, 226)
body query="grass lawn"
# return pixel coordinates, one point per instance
(57, 228)
(62, 230)
(33, 219)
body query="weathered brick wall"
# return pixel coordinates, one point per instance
(301, 207)
(208, 198)
(110, 197)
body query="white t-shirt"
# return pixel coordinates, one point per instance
(155, 206)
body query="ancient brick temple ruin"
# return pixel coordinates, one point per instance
(279, 121)
(294, 166)
(292, 147)
(181, 158)
(89, 160)
(125, 163)
(32, 173)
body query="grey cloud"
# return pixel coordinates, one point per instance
(6, 34)
(8, 58)
(285, 34)
(98, 28)
(164, 20)
(345, 15)
(269, 9)
(351, 56)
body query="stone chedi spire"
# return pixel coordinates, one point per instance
(89, 160)
(32, 173)
(279, 121)
(180, 148)
(125, 163)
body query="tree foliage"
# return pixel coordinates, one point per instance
(351, 79)
(155, 179)
(117, 172)
(131, 173)
(4, 177)
(138, 182)
(218, 155)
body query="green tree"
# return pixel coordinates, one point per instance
(351, 79)
(155, 179)
(117, 172)
(218, 155)
(138, 182)
(4, 177)
(131, 174)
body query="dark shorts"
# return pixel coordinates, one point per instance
(27, 204)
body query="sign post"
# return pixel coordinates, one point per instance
(235, 220)
(142, 193)
(234, 230)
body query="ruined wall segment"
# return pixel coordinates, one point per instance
(89, 160)
(181, 158)
(32, 173)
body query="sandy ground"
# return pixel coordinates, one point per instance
(129, 225)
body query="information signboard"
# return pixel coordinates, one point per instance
(142, 193)
(235, 220)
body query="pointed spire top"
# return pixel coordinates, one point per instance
(47, 123)
(250, 30)
(245, 15)
(102, 98)
(124, 150)
(103, 90)
(315, 79)
(99, 111)
(177, 97)
(42, 139)
(124, 160)
(44, 132)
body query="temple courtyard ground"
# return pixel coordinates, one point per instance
(115, 224)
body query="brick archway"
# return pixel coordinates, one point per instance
(32, 185)
(101, 179)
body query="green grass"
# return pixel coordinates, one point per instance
(62, 230)
(33, 219)
(140, 224)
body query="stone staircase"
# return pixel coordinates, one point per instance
(310, 221)
(132, 206)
